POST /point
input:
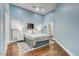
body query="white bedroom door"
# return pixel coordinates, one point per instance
(50, 28)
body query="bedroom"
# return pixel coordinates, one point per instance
(28, 26)
(40, 29)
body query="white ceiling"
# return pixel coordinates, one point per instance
(46, 6)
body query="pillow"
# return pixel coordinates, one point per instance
(34, 32)
(29, 31)
(37, 32)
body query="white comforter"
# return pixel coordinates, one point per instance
(37, 37)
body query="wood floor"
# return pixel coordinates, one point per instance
(53, 49)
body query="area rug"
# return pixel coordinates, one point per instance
(25, 47)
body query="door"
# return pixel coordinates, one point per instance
(50, 28)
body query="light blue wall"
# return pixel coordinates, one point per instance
(66, 25)
(1, 30)
(25, 16)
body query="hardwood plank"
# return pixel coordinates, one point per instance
(53, 49)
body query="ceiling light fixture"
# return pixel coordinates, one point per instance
(42, 10)
(37, 9)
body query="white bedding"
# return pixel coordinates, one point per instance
(37, 37)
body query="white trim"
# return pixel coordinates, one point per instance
(67, 50)
(6, 26)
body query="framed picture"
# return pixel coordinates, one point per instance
(30, 26)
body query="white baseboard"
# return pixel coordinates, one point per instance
(67, 50)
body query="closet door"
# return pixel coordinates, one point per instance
(1, 30)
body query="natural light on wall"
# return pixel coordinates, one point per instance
(15, 24)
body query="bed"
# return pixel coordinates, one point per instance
(36, 40)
